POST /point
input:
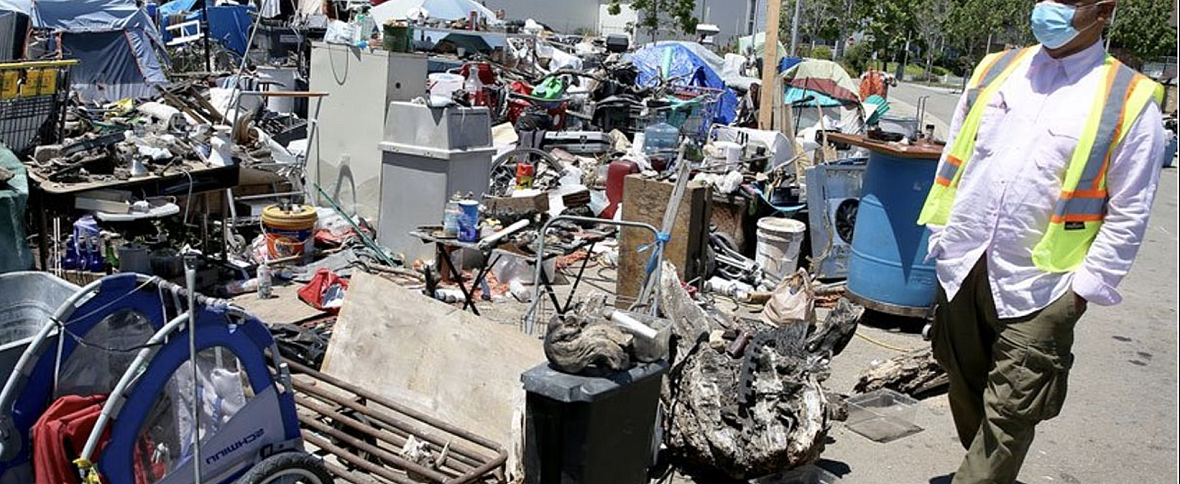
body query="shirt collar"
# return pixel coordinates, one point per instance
(1077, 64)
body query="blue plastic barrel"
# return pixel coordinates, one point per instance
(887, 272)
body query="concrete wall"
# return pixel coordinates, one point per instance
(565, 16)
(731, 16)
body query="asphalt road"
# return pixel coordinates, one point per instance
(941, 103)
(1119, 423)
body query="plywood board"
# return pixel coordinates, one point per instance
(645, 200)
(449, 363)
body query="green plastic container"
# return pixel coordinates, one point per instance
(397, 38)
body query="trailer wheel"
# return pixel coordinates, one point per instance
(287, 468)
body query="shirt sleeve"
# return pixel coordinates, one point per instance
(1131, 182)
(932, 249)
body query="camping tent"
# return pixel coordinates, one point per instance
(114, 41)
(675, 61)
(757, 42)
(823, 80)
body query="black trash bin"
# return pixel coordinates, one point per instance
(590, 430)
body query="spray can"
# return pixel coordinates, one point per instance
(524, 175)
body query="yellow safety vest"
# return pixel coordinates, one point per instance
(1079, 211)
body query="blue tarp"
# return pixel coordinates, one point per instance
(787, 63)
(678, 61)
(229, 25)
(794, 95)
(176, 7)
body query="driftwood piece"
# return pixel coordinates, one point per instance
(779, 423)
(834, 333)
(915, 373)
(577, 344)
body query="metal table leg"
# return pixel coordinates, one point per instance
(446, 258)
(483, 272)
(578, 279)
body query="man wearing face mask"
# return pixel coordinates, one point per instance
(1039, 205)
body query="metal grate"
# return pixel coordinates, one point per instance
(32, 103)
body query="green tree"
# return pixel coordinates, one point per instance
(935, 20)
(654, 15)
(888, 23)
(978, 27)
(1142, 29)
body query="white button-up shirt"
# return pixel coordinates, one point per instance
(1006, 194)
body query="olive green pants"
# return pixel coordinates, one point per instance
(1006, 375)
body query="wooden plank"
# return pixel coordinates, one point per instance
(923, 151)
(768, 91)
(435, 357)
(644, 200)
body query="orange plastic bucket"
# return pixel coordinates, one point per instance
(288, 232)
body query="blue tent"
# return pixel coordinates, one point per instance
(115, 42)
(674, 60)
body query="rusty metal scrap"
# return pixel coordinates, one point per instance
(368, 432)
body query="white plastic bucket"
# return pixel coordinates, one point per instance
(779, 240)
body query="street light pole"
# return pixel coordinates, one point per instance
(795, 29)
(1113, 14)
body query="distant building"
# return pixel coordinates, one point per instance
(735, 18)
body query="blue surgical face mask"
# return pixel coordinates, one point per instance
(1052, 24)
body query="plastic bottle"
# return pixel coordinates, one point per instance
(84, 255)
(264, 281)
(735, 289)
(363, 26)
(70, 260)
(661, 137)
(94, 261)
(451, 214)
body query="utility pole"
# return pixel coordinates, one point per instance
(795, 29)
(766, 92)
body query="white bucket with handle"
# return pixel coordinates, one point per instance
(779, 240)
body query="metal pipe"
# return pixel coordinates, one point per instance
(397, 407)
(409, 465)
(356, 461)
(406, 428)
(190, 279)
(348, 476)
(361, 426)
